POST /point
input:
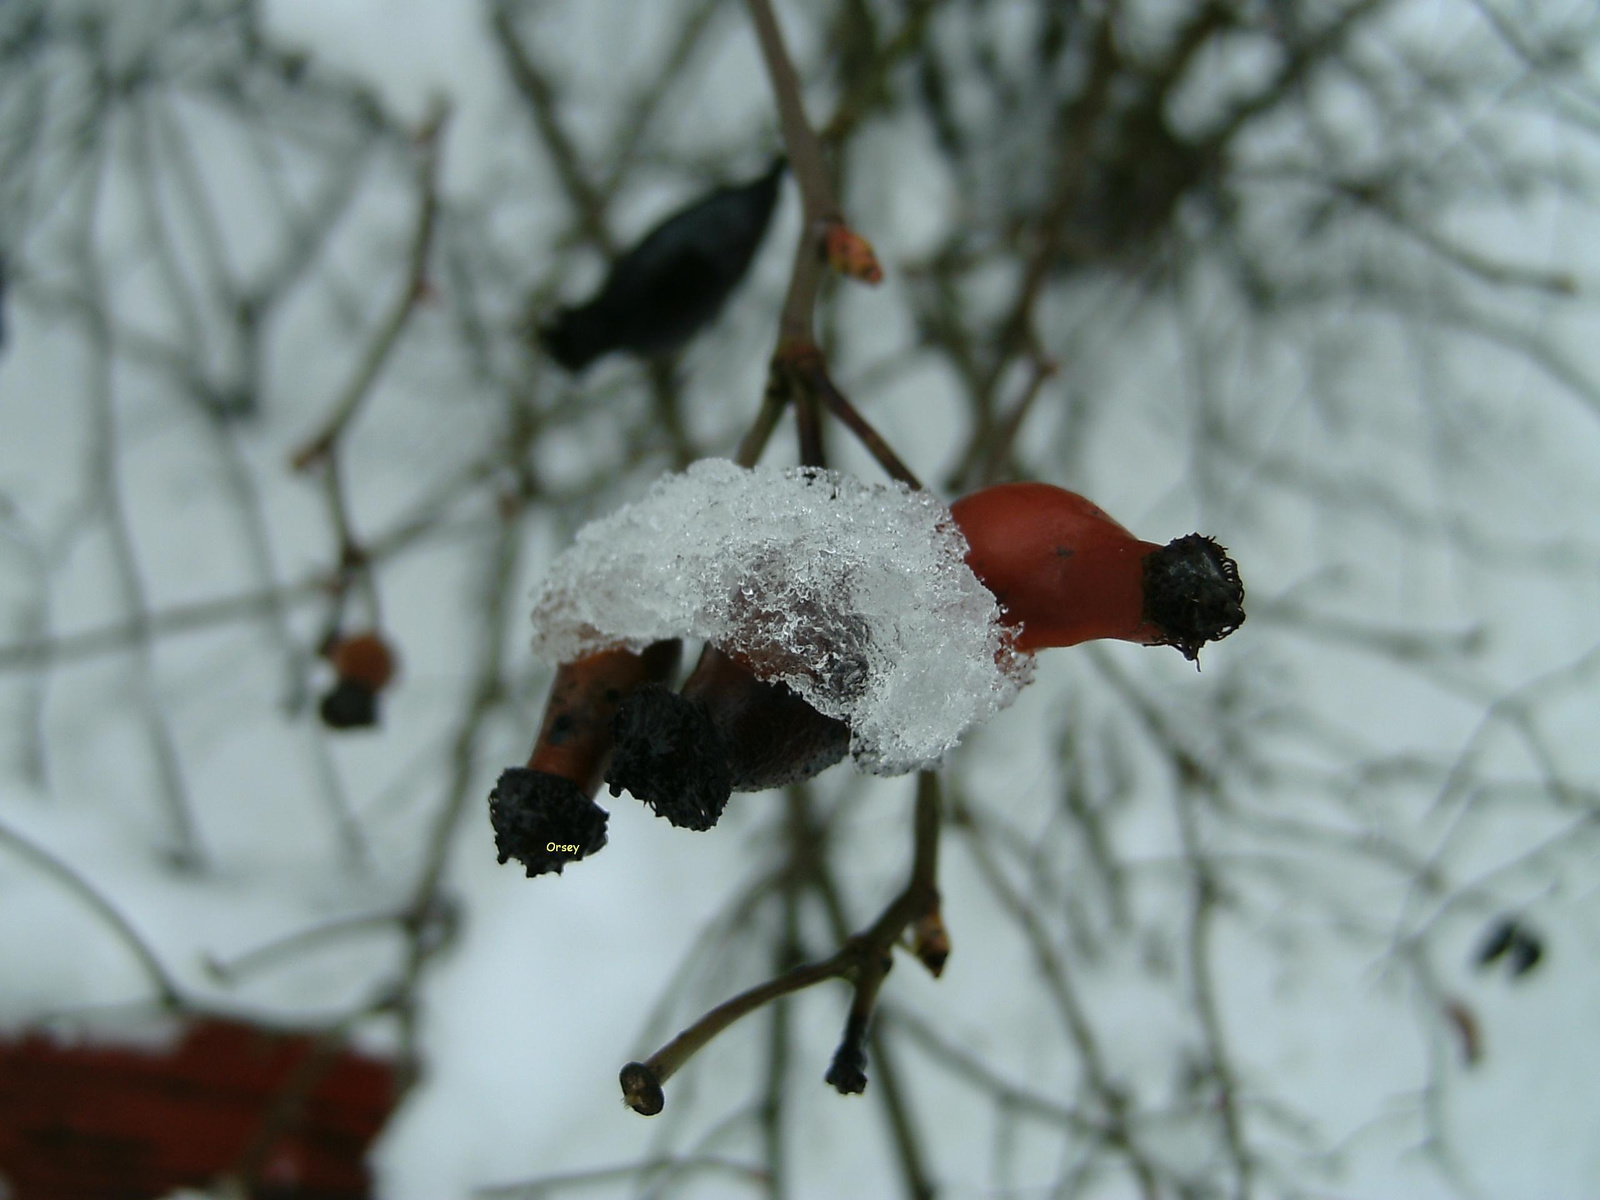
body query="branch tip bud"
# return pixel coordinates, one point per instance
(641, 1090)
(851, 254)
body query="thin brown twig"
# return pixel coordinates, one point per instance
(813, 372)
(355, 392)
(649, 1168)
(819, 207)
(862, 959)
(186, 852)
(541, 99)
(166, 985)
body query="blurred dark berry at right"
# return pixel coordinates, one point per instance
(668, 287)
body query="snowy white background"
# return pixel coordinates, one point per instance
(1412, 701)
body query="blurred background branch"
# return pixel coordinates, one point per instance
(1316, 277)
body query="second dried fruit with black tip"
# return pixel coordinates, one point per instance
(727, 731)
(365, 665)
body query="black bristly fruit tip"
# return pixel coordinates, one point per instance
(350, 705)
(669, 286)
(669, 755)
(1192, 593)
(544, 821)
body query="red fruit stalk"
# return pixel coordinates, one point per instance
(1064, 572)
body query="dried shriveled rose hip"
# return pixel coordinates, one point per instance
(544, 814)
(727, 730)
(365, 665)
(1064, 572)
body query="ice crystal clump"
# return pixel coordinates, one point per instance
(856, 596)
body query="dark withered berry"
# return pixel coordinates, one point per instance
(544, 821)
(350, 705)
(670, 755)
(664, 290)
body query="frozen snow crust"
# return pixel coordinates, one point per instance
(857, 596)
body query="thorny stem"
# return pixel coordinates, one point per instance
(864, 959)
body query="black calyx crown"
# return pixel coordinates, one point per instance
(670, 755)
(1192, 593)
(532, 811)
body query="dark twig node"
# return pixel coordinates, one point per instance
(1510, 939)
(544, 821)
(930, 942)
(848, 1074)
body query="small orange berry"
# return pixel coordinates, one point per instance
(364, 658)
